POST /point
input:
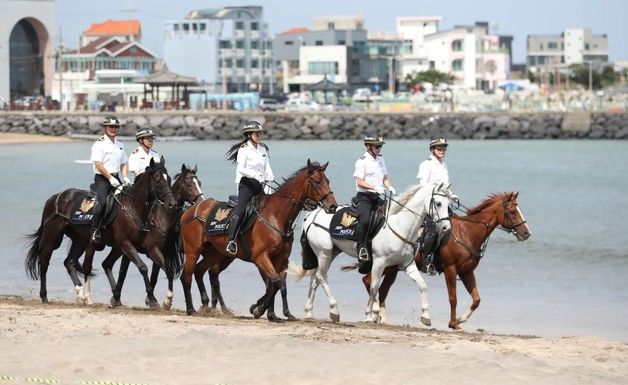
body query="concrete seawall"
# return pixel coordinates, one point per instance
(333, 125)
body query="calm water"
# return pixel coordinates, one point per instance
(567, 279)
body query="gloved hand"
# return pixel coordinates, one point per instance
(380, 190)
(127, 181)
(392, 190)
(267, 188)
(114, 182)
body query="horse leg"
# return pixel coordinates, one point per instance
(107, 265)
(45, 254)
(270, 312)
(267, 270)
(76, 249)
(469, 283)
(130, 252)
(284, 298)
(413, 273)
(376, 280)
(321, 275)
(157, 257)
(390, 275)
(214, 280)
(309, 303)
(199, 272)
(191, 257)
(450, 280)
(83, 294)
(117, 289)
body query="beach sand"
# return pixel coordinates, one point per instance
(73, 344)
(14, 138)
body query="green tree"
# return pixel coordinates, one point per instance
(432, 76)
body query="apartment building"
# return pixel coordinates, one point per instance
(572, 46)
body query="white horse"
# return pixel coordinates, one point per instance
(394, 245)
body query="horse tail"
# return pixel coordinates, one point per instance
(174, 256)
(346, 268)
(34, 248)
(298, 271)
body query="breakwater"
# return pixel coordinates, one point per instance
(332, 125)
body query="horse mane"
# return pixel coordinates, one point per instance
(315, 166)
(486, 202)
(403, 199)
(140, 178)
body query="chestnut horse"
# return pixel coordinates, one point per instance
(464, 249)
(151, 188)
(162, 240)
(269, 239)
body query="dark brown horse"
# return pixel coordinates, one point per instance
(161, 241)
(269, 239)
(462, 253)
(151, 188)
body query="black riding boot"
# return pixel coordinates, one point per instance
(94, 231)
(428, 247)
(232, 246)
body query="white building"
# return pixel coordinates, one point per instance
(573, 46)
(231, 44)
(26, 48)
(316, 62)
(412, 30)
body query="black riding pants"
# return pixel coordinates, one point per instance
(364, 203)
(102, 188)
(247, 189)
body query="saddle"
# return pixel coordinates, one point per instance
(83, 209)
(217, 222)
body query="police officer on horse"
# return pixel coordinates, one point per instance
(141, 156)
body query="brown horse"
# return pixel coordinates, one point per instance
(135, 202)
(464, 249)
(162, 240)
(269, 239)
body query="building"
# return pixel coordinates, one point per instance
(573, 46)
(471, 54)
(412, 30)
(129, 30)
(26, 48)
(230, 45)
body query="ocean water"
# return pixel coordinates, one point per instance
(569, 278)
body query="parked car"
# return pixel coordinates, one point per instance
(270, 104)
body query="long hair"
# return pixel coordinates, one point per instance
(232, 153)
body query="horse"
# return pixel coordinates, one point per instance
(162, 240)
(464, 249)
(134, 202)
(269, 239)
(394, 245)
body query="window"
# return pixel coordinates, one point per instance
(456, 65)
(175, 27)
(240, 63)
(194, 27)
(541, 46)
(254, 63)
(133, 49)
(331, 25)
(239, 25)
(225, 44)
(319, 42)
(322, 67)
(341, 42)
(408, 47)
(186, 27)
(240, 44)
(456, 45)
(203, 26)
(228, 63)
(254, 26)
(552, 45)
(586, 46)
(288, 42)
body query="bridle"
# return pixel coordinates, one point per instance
(191, 176)
(508, 216)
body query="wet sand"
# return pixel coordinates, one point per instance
(14, 138)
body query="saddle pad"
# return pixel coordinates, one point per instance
(343, 223)
(82, 211)
(218, 219)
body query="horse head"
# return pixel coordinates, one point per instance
(438, 208)
(512, 219)
(318, 189)
(186, 186)
(156, 181)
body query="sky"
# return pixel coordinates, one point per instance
(506, 17)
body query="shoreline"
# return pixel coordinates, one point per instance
(16, 138)
(73, 344)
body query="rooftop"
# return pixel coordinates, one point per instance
(114, 27)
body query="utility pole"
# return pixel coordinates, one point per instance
(59, 57)
(590, 76)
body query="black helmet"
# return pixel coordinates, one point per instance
(374, 139)
(110, 120)
(438, 142)
(250, 126)
(144, 132)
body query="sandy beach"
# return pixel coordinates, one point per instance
(70, 344)
(14, 138)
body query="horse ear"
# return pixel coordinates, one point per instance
(195, 168)
(323, 167)
(151, 163)
(516, 195)
(183, 167)
(309, 164)
(163, 161)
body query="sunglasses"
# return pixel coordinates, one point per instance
(441, 148)
(377, 146)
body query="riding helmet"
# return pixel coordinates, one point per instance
(110, 120)
(374, 139)
(250, 126)
(144, 132)
(438, 142)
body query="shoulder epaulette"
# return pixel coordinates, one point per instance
(101, 139)
(243, 145)
(136, 150)
(363, 156)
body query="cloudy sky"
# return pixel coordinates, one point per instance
(507, 17)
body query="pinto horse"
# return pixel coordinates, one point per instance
(161, 241)
(464, 249)
(269, 239)
(135, 202)
(394, 245)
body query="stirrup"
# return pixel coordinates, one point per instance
(430, 269)
(232, 247)
(363, 254)
(96, 235)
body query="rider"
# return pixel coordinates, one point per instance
(433, 170)
(252, 170)
(371, 180)
(141, 156)
(109, 160)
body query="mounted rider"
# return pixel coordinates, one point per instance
(110, 161)
(433, 170)
(141, 156)
(371, 180)
(253, 171)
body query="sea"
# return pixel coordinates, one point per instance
(568, 279)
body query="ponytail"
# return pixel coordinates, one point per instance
(232, 154)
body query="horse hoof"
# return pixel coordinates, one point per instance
(334, 317)
(427, 321)
(252, 309)
(166, 305)
(228, 312)
(153, 305)
(115, 302)
(257, 312)
(290, 317)
(274, 318)
(190, 311)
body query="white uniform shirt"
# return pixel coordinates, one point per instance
(253, 163)
(110, 154)
(139, 159)
(433, 171)
(371, 170)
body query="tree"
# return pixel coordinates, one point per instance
(432, 76)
